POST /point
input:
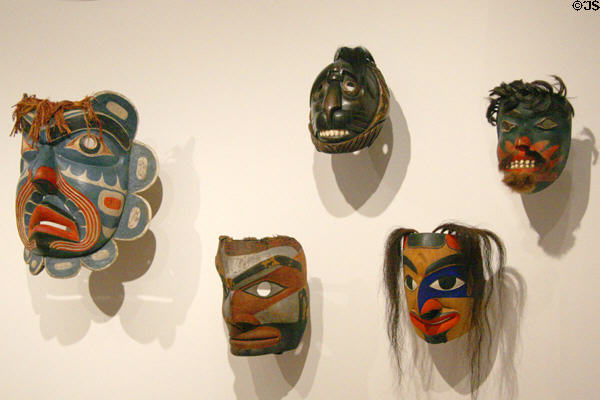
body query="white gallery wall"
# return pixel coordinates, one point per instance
(222, 89)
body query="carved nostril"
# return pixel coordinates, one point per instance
(523, 141)
(44, 180)
(332, 101)
(431, 309)
(245, 326)
(431, 314)
(45, 187)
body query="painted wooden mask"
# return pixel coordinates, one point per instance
(80, 170)
(534, 132)
(349, 103)
(436, 286)
(265, 293)
(443, 280)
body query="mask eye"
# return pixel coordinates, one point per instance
(26, 146)
(410, 283)
(318, 93)
(264, 289)
(507, 126)
(546, 124)
(447, 283)
(89, 145)
(350, 87)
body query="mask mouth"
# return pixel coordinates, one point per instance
(526, 160)
(524, 169)
(47, 220)
(334, 135)
(257, 338)
(435, 326)
(526, 164)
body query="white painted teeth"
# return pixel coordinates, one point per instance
(334, 133)
(518, 164)
(54, 225)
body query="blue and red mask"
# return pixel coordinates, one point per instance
(436, 284)
(80, 169)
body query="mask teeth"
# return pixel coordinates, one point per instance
(334, 133)
(522, 164)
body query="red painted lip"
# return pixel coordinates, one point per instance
(437, 325)
(258, 338)
(44, 220)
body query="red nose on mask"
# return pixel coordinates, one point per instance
(44, 180)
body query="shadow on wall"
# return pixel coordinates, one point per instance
(134, 260)
(556, 212)
(150, 308)
(361, 176)
(274, 376)
(504, 312)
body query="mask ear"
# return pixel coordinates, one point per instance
(135, 219)
(143, 167)
(114, 107)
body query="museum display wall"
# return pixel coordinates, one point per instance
(222, 92)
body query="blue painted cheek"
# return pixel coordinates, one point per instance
(426, 292)
(103, 179)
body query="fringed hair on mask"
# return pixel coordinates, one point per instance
(484, 254)
(48, 113)
(392, 278)
(537, 96)
(358, 56)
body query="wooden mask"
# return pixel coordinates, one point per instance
(349, 103)
(80, 170)
(533, 124)
(436, 286)
(265, 293)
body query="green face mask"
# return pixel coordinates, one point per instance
(534, 133)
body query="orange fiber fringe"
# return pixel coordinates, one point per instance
(46, 110)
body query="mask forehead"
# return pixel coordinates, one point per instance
(423, 257)
(237, 268)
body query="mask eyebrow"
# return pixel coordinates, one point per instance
(444, 262)
(265, 267)
(407, 263)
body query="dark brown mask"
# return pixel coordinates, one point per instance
(349, 102)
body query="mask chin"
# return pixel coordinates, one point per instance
(520, 182)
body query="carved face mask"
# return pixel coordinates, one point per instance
(436, 286)
(265, 293)
(80, 170)
(349, 103)
(534, 133)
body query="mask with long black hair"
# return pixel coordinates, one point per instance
(447, 279)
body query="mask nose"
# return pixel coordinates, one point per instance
(237, 313)
(332, 101)
(431, 309)
(43, 171)
(245, 322)
(523, 143)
